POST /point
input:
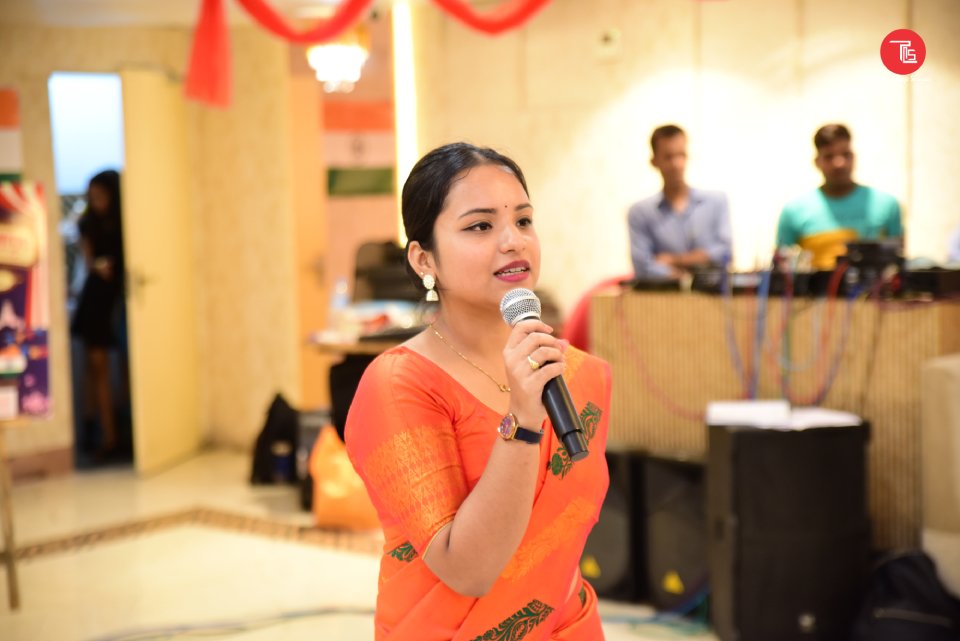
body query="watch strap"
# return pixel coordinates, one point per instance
(528, 436)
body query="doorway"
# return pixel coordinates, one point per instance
(86, 112)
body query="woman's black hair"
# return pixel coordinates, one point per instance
(109, 181)
(426, 189)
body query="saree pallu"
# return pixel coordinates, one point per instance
(420, 441)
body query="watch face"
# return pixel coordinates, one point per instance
(507, 427)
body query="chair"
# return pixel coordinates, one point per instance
(381, 273)
(940, 465)
(576, 328)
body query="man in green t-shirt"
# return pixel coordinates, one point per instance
(840, 210)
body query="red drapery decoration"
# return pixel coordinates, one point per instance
(506, 16)
(346, 15)
(209, 76)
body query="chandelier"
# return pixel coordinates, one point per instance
(338, 63)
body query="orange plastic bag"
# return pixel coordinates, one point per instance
(339, 498)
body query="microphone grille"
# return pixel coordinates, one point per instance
(519, 304)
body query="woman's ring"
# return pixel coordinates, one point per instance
(534, 365)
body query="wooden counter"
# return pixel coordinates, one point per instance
(671, 354)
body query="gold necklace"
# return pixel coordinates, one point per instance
(503, 387)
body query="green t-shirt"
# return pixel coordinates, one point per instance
(871, 213)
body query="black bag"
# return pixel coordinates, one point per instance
(273, 454)
(905, 601)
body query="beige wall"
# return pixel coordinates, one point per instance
(311, 235)
(244, 235)
(750, 80)
(934, 103)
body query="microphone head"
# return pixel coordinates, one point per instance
(519, 304)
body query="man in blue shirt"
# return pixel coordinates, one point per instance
(825, 219)
(680, 228)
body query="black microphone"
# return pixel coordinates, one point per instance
(521, 304)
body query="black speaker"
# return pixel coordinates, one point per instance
(676, 535)
(788, 537)
(613, 560)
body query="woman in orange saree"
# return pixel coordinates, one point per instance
(485, 516)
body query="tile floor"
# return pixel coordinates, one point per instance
(107, 556)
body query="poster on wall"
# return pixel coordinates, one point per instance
(24, 302)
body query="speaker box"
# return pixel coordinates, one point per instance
(788, 537)
(613, 560)
(675, 525)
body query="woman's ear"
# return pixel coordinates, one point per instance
(420, 259)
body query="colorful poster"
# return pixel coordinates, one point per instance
(24, 302)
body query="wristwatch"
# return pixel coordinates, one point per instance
(510, 430)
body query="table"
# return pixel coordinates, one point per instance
(673, 352)
(8, 552)
(359, 348)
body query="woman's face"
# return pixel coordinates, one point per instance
(98, 198)
(484, 240)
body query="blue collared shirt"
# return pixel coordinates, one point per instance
(655, 228)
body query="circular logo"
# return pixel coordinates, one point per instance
(903, 51)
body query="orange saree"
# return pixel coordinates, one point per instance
(420, 441)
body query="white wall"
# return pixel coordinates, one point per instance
(86, 116)
(750, 80)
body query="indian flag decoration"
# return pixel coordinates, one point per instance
(24, 301)
(359, 145)
(11, 155)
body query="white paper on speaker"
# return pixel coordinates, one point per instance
(771, 414)
(802, 418)
(776, 415)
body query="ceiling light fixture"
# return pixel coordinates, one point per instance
(338, 63)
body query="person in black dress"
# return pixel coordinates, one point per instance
(101, 240)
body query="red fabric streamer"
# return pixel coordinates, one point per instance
(506, 16)
(209, 77)
(346, 15)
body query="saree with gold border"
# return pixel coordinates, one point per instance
(420, 442)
